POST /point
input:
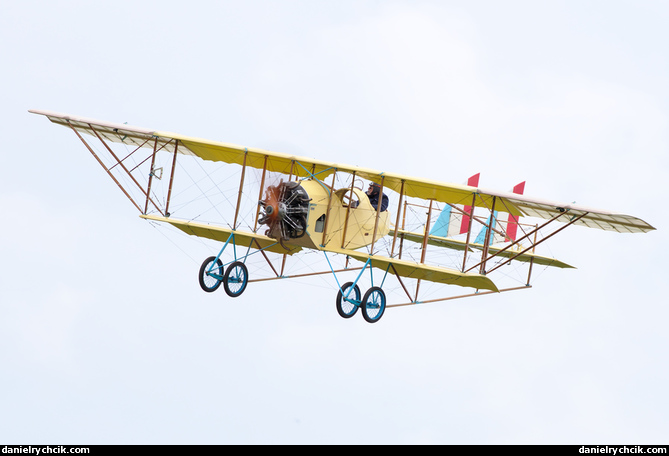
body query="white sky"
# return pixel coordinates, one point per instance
(106, 337)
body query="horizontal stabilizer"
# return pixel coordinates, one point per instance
(461, 245)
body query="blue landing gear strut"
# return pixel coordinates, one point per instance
(373, 303)
(234, 279)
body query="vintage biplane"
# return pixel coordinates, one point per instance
(284, 207)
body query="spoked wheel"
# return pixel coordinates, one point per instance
(345, 308)
(373, 304)
(235, 279)
(211, 274)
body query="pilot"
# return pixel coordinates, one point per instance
(373, 194)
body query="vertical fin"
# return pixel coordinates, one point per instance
(480, 239)
(452, 222)
(512, 224)
(445, 223)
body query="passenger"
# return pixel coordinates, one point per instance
(373, 194)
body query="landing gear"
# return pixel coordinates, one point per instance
(373, 304)
(235, 279)
(348, 303)
(211, 275)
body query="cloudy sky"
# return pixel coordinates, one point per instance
(106, 337)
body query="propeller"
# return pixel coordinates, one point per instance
(284, 211)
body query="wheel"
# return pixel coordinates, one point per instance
(235, 279)
(345, 308)
(373, 304)
(211, 275)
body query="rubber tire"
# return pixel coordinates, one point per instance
(203, 274)
(375, 294)
(226, 279)
(340, 300)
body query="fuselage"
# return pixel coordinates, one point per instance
(345, 220)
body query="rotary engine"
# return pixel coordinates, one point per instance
(284, 210)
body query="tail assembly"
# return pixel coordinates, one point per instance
(453, 222)
(511, 225)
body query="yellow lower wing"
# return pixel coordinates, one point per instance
(422, 271)
(402, 268)
(222, 234)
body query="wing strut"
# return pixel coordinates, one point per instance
(486, 243)
(239, 195)
(449, 298)
(262, 188)
(327, 212)
(90, 149)
(573, 220)
(424, 252)
(469, 232)
(378, 211)
(119, 162)
(148, 190)
(348, 211)
(397, 219)
(169, 191)
(517, 242)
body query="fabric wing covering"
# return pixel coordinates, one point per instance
(514, 204)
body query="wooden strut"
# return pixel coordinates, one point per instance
(404, 219)
(266, 258)
(262, 186)
(169, 190)
(469, 232)
(397, 220)
(426, 234)
(517, 241)
(306, 274)
(486, 242)
(348, 210)
(105, 168)
(529, 273)
(148, 189)
(239, 194)
(118, 162)
(149, 156)
(470, 216)
(572, 221)
(478, 293)
(378, 213)
(400, 280)
(327, 212)
(124, 158)
(516, 222)
(424, 248)
(283, 261)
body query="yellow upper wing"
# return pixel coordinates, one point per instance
(303, 167)
(273, 161)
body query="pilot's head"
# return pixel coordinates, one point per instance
(373, 189)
